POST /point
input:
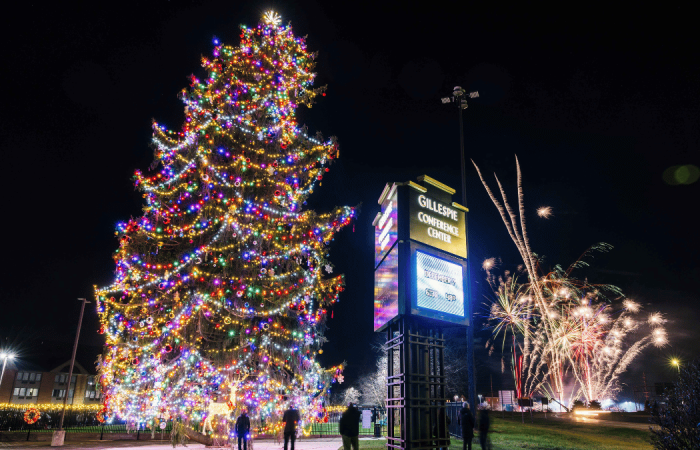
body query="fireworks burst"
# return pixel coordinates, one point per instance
(631, 305)
(573, 341)
(544, 212)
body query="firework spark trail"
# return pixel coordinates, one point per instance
(568, 329)
(523, 249)
(526, 246)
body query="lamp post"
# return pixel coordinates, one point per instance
(5, 356)
(459, 99)
(677, 363)
(60, 434)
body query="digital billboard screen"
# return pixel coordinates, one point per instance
(386, 289)
(439, 285)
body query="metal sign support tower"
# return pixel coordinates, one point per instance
(416, 386)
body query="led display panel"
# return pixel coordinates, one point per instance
(386, 228)
(439, 285)
(386, 289)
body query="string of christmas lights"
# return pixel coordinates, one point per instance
(223, 285)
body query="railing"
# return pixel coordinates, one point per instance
(85, 421)
(452, 411)
(330, 428)
(77, 420)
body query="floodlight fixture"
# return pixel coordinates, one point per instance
(446, 100)
(474, 94)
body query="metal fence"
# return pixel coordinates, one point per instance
(377, 423)
(452, 411)
(12, 420)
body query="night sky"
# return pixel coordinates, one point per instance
(596, 103)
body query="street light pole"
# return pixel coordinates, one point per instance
(60, 435)
(5, 357)
(459, 98)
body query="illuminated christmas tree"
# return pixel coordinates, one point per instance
(223, 285)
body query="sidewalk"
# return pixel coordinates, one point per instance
(262, 444)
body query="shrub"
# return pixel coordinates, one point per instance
(679, 420)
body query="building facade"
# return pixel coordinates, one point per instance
(21, 386)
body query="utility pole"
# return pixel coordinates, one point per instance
(459, 98)
(60, 435)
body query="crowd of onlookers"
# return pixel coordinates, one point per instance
(349, 428)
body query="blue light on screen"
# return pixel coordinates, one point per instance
(440, 285)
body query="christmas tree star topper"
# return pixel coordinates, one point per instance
(272, 18)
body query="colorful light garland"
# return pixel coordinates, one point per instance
(219, 286)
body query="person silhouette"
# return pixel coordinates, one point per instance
(243, 429)
(484, 425)
(290, 418)
(466, 419)
(349, 427)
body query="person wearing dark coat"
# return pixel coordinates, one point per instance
(484, 425)
(467, 421)
(242, 429)
(349, 428)
(291, 419)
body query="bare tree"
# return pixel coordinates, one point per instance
(351, 395)
(373, 385)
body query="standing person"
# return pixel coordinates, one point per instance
(467, 421)
(349, 427)
(290, 419)
(484, 425)
(242, 429)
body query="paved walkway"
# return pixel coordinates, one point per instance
(263, 444)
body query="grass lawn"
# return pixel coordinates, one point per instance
(507, 434)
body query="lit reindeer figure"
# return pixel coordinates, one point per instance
(221, 409)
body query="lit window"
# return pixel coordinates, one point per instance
(22, 392)
(59, 393)
(16, 392)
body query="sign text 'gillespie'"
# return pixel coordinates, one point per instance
(437, 224)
